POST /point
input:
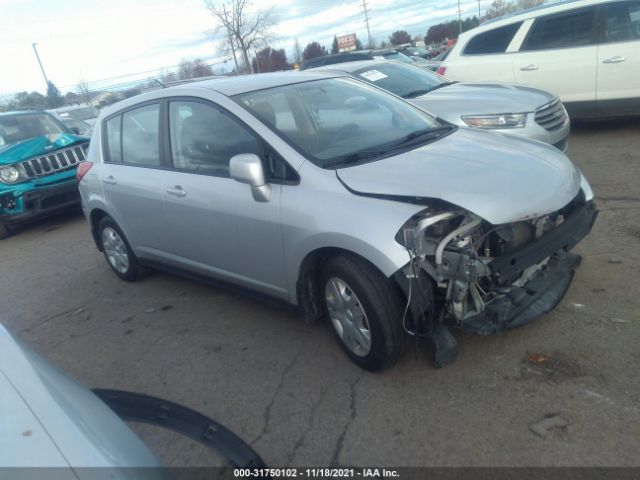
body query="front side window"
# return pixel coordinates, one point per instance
(404, 80)
(492, 41)
(622, 22)
(204, 138)
(140, 138)
(564, 30)
(340, 120)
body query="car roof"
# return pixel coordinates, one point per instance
(21, 112)
(534, 12)
(228, 86)
(350, 67)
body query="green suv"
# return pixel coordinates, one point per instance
(38, 160)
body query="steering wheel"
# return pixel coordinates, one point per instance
(346, 131)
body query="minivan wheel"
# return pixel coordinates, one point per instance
(365, 312)
(4, 231)
(117, 251)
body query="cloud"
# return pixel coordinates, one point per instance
(103, 39)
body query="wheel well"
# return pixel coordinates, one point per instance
(308, 288)
(96, 216)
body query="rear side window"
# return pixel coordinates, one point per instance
(493, 41)
(140, 139)
(204, 138)
(568, 29)
(114, 131)
(621, 22)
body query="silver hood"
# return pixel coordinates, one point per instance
(453, 101)
(499, 178)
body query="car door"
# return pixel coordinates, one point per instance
(559, 54)
(216, 228)
(619, 54)
(132, 176)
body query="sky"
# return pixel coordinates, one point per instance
(105, 42)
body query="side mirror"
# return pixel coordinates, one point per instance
(247, 168)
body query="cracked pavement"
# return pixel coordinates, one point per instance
(287, 388)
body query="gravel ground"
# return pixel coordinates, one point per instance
(286, 387)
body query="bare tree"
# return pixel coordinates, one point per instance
(245, 30)
(84, 91)
(297, 52)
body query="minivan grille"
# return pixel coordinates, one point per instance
(551, 116)
(55, 162)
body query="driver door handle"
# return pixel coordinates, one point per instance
(177, 191)
(110, 180)
(529, 67)
(616, 59)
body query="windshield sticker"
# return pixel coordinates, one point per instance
(373, 75)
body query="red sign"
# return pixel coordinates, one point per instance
(346, 43)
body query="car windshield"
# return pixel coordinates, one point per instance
(405, 81)
(341, 120)
(398, 56)
(15, 128)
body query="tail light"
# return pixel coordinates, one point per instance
(441, 71)
(83, 168)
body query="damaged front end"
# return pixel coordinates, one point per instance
(485, 278)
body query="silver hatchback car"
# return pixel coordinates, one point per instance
(339, 198)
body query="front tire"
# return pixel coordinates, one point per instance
(118, 253)
(4, 231)
(365, 312)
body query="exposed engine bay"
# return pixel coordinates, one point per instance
(484, 278)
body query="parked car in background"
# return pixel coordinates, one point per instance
(83, 112)
(585, 51)
(434, 63)
(415, 52)
(38, 159)
(79, 127)
(339, 198)
(53, 427)
(380, 54)
(505, 108)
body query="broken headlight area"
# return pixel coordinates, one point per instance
(485, 278)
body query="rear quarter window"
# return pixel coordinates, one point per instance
(574, 28)
(492, 41)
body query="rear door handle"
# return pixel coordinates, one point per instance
(110, 180)
(529, 67)
(177, 191)
(616, 59)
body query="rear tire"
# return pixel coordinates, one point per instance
(4, 231)
(118, 253)
(365, 311)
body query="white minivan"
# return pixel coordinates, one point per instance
(585, 51)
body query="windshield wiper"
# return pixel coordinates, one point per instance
(355, 157)
(424, 91)
(431, 132)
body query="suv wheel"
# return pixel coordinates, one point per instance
(365, 312)
(117, 251)
(4, 231)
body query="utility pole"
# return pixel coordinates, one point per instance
(479, 14)
(35, 50)
(459, 19)
(366, 20)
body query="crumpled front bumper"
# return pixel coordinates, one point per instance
(25, 204)
(525, 304)
(517, 298)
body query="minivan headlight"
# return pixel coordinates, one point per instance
(506, 120)
(11, 174)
